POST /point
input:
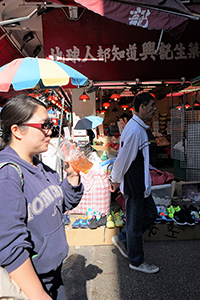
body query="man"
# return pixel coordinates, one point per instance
(131, 173)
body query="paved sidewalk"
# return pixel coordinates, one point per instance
(101, 272)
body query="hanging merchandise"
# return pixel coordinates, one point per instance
(96, 188)
(55, 121)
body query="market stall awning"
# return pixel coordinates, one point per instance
(107, 50)
(170, 15)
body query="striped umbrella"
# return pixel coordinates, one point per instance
(29, 72)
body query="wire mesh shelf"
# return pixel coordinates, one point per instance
(185, 140)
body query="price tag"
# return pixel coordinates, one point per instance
(155, 127)
(101, 131)
(169, 128)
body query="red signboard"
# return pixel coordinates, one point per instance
(103, 49)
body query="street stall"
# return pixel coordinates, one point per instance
(120, 67)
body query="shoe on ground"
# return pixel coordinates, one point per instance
(93, 223)
(110, 221)
(118, 220)
(84, 223)
(89, 213)
(180, 217)
(102, 221)
(189, 218)
(177, 208)
(195, 216)
(194, 213)
(145, 268)
(120, 246)
(66, 218)
(171, 211)
(162, 216)
(77, 223)
(97, 214)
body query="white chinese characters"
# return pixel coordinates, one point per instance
(114, 53)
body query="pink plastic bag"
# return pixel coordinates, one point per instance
(158, 177)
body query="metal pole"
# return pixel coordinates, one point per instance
(58, 166)
(7, 22)
(160, 38)
(171, 97)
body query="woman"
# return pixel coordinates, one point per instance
(32, 236)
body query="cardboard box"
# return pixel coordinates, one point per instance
(109, 150)
(172, 232)
(162, 194)
(188, 189)
(156, 232)
(101, 148)
(89, 237)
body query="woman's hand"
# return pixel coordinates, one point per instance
(72, 172)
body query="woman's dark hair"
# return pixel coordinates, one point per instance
(16, 110)
(143, 98)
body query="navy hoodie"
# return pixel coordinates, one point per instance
(31, 222)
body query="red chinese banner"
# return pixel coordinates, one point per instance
(104, 49)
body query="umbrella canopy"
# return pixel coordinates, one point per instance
(28, 72)
(89, 122)
(169, 15)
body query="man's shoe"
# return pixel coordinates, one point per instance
(145, 267)
(120, 245)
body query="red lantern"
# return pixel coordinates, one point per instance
(106, 105)
(124, 106)
(115, 97)
(84, 97)
(196, 103)
(103, 111)
(187, 105)
(178, 106)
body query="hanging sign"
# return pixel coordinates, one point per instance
(104, 49)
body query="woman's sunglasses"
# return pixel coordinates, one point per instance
(47, 125)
